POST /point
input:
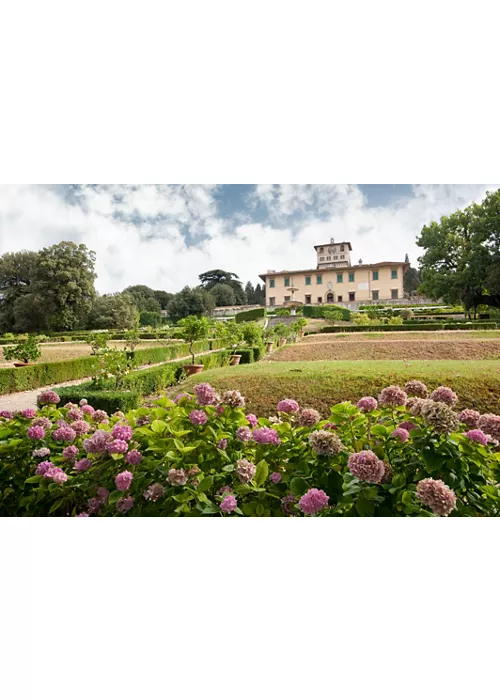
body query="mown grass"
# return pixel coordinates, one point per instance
(321, 384)
(401, 335)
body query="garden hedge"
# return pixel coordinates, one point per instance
(404, 327)
(319, 311)
(250, 315)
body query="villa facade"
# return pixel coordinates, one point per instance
(335, 280)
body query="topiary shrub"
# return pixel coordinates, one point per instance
(250, 315)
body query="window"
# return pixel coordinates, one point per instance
(308, 298)
(319, 279)
(335, 257)
(394, 293)
(328, 257)
(342, 257)
(352, 296)
(271, 283)
(321, 250)
(394, 274)
(375, 275)
(272, 301)
(322, 258)
(340, 279)
(320, 300)
(308, 280)
(339, 297)
(287, 298)
(342, 248)
(375, 295)
(351, 277)
(287, 281)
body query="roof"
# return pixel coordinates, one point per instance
(325, 245)
(333, 269)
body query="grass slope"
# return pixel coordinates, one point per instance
(322, 384)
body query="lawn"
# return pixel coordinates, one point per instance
(321, 384)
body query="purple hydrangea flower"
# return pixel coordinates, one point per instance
(437, 496)
(287, 504)
(43, 468)
(177, 477)
(64, 434)
(88, 409)
(477, 436)
(81, 427)
(117, 447)
(245, 470)
(70, 452)
(180, 396)
(401, 434)
(74, 414)
(8, 415)
(143, 420)
(444, 394)
(233, 398)
(469, 417)
(42, 452)
(266, 436)
(56, 474)
(252, 419)
(228, 504)
(407, 425)
(48, 397)
(98, 443)
(100, 416)
(125, 504)
(275, 477)
(43, 422)
(36, 432)
(366, 466)
(83, 464)
(313, 501)
(154, 492)
(490, 424)
(102, 494)
(244, 434)
(416, 388)
(392, 396)
(83, 402)
(94, 505)
(288, 406)
(222, 444)
(205, 394)
(309, 417)
(28, 413)
(367, 404)
(325, 443)
(122, 432)
(133, 457)
(198, 417)
(123, 480)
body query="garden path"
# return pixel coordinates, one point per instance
(27, 399)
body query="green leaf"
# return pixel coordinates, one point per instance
(298, 486)
(364, 507)
(183, 497)
(206, 483)
(210, 509)
(33, 479)
(407, 498)
(179, 446)
(398, 480)
(158, 426)
(249, 508)
(380, 430)
(260, 509)
(114, 496)
(261, 473)
(57, 504)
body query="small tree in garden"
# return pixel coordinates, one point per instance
(231, 333)
(332, 315)
(297, 326)
(113, 365)
(98, 342)
(252, 333)
(25, 350)
(132, 339)
(194, 329)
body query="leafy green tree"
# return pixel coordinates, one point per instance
(25, 350)
(250, 293)
(411, 279)
(260, 295)
(150, 318)
(114, 311)
(98, 343)
(223, 294)
(144, 297)
(194, 329)
(462, 255)
(163, 298)
(209, 279)
(191, 302)
(16, 275)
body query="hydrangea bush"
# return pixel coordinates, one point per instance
(404, 453)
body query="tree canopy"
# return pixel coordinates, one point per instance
(223, 294)
(461, 262)
(209, 279)
(144, 297)
(114, 311)
(191, 302)
(411, 279)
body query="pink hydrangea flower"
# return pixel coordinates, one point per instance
(366, 466)
(102, 494)
(69, 405)
(125, 504)
(74, 414)
(244, 434)
(43, 468)
(198, 417)
(401, 434)
(177, 477)
(252, 419)
(83, 464)
(444, 394)
(88, 409)
(469, 417)
(56, 474)
(477, 436)
(123, 480)
(490, 424)
(133, 457)
(233, 398)
(81, 427)
(205, 394)
(266, 436)
(275, 477)
(288, 406)
(313, 501)
(228, 504)
(98, 443)
(36, 432)
(309, 417)
(154, 492)
(117, 447)
(28, 413)
(392, 396)
(70, 452)
(64, 434)
(94, 505)
(122, 432)
(42, 452)
(222, 444)
(435, 494)
(325, 443)
(416, 388)
(143, 420)
(367, 404)
(407, 425)
(330, 426)
(83, 402)
(181, 396)
(43, 422)
(100, 416)
(48, 397)
(219, 410)
(8, 415)
(245, 470)
(287, 504)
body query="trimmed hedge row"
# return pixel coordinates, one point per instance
(137, 384)
(250, 315)
(14, 379)
(249, 355)
(319, 311)
(405, 327)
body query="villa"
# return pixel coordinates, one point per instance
(335, 280)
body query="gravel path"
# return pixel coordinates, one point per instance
(27, 399)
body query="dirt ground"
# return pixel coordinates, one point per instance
(356, 348)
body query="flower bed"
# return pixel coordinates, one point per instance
(402, 454)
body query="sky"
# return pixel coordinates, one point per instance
(164, 236)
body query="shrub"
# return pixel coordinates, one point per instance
(407, 314)
(282, 312)
(395, 321)
(150, 318)
(194, 329)
(247, 355)
(319, 311)
(98, 342)
(359, 462)
(14, 379)
(252, 333)
(250, 315)
(25, 350)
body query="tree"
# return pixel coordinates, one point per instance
(64, 277)
(144, 297)
(114, 311)
(411, 279)
(163, 298)
(16, 276)
(250, 293)
(150, 318)
(193, 329)
(190, 302)
(462, 255)
(24, 350)
(260, 295)
(212, 277)
(223, 294)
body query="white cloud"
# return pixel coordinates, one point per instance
(139, 231)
